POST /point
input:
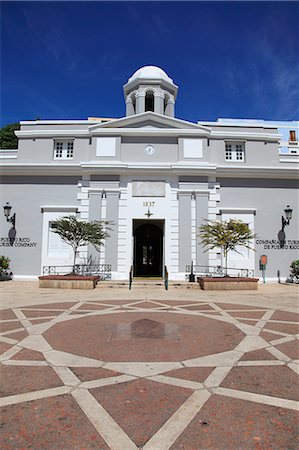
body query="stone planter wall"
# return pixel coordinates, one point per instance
(227, 283)
(68, 281)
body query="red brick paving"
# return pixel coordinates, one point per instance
(4, 347)
(91, 306)
(234, 424)
(7, 326)
(194, 336)
(32, 314)
(6, 314)
(248, 322)
(269, 336)
(93, 373)
(57, 306)
(200, 307)
(19, 335)
(28, 355)
(20, 379)
(141, 407)
(233, 306)
(285, 315)
(248, 314)
(52, 423)
(257, 355)
(284, 327)
(279, 382)
(291, 349)
(198, 374)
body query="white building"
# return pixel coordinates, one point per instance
(157, 178)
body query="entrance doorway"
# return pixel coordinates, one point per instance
(148, 248)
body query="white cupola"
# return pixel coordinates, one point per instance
(150, 89)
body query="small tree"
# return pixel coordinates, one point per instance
(226, 235)
(77, 233)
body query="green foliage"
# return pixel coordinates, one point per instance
(4, 264)
(295, 269)
(8, 139)
(77, 233)
(226, 235)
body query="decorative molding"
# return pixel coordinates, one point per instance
(58, 208)
(237, 210)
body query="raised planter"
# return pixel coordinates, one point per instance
(68, 281)
(228, 283)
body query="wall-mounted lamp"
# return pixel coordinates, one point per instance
(12, 219)
(288, 215)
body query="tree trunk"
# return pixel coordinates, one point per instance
(74, 262)
(225, 254)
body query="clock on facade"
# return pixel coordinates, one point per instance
(149, 149)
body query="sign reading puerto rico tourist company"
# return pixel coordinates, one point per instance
(18, 242)
(274, 244)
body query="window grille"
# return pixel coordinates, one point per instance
(234, 152)
(63, 149)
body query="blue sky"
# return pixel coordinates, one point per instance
(69, 60)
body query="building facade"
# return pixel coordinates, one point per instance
(157, 178)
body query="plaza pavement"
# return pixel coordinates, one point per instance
(148, 368)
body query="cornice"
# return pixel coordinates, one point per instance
(241, 135)
(179, 168)
(53, 133)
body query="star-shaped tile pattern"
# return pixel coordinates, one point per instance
(150, 374)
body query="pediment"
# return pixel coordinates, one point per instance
(149, 120)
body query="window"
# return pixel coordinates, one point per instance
(149, 101)
(234, 151)
(57, 248)
(63, 149)
(292, 138)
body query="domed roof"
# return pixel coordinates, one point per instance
(150, 72)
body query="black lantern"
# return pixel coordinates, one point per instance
(288, 215)
(12, 219)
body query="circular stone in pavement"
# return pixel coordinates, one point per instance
(143, 336)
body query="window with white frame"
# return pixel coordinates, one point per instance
(234, 151)
(63, 149)
(56, 246)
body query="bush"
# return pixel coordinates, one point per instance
(5, 272)
(295, 269)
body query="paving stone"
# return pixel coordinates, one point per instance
(198, 374)
(284, 327)
(4, 347)
(290, 349)
(47, 313)
(28, 355)
(102, 337)
(51, 423)
(234, 424)
(93, 373)
(19, 335)
(6, 314)
(233, 306)
(57, 306)
(248, 314)
(269, 336)
(280, 381)
(285, 315)
(141, 407)
(200, 307)
(257, 355)
(91, 306)
(21, 379)
(7, 326)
